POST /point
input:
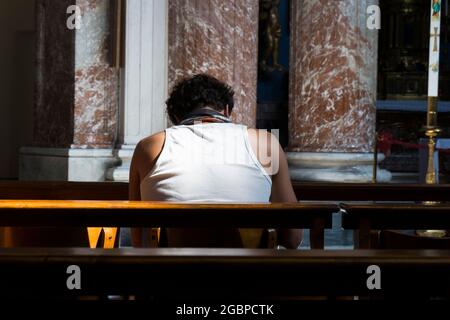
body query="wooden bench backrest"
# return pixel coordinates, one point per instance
(305, 191)
(16, 190)
(79, 214)
(395, 216)
(399, 216)
(371, 192)
(212, 273)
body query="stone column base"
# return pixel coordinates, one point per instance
(61, 164)
(121, 172)
(335, 167)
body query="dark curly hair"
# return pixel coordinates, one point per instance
(198, 91)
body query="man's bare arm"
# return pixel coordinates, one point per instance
(134, 194)
(144, 158)
(282, 191)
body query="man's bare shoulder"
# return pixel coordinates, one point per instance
(150, 147)
(156, 138)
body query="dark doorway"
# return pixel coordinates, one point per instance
(273, 67)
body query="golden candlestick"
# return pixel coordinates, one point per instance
(431, 170)
(431, 131)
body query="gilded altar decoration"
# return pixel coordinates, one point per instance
(431, 128)
(270, 19)
(435, 36)
(435, 67)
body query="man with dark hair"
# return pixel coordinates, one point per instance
(205, 157)
(199, 91)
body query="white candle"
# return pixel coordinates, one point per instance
(435, 32)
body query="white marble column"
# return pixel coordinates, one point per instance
(144, 79)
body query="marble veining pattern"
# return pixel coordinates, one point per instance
(333, 77)
(218, 37)
(96, 82)
(76, 88)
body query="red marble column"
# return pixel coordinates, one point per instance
(96, 80)
(76, 89)
(218, 37)
(333, 79)
(76, 106)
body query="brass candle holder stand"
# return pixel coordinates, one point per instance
(431, 131)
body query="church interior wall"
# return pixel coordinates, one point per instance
(18, 75)
(17, 54)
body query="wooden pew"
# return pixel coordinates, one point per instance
(47, 190)
(391, 239)
(304, 191)
(191, 273)
(60, 191)
(371, 192)
(65, 213)
(393, 216)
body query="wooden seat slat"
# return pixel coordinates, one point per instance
(81, 213)
(304, 190)
(206, 272)
(16, 190)
(400, 216)
(220, 255)
(393, 216)
(147, 214)
(371, 191)
(143, 205)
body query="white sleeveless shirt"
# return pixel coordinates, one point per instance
(211, 162)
